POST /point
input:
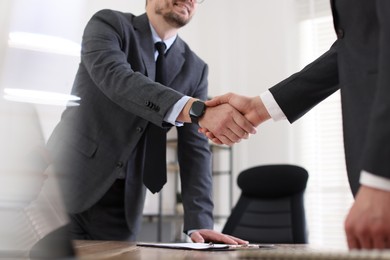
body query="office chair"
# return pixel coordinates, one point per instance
(270, 208)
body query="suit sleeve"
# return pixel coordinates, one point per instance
(300, 92)
(377, 150)
(107, 38)
(195, 171)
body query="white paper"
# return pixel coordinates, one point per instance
(191, 246)
(203, 246)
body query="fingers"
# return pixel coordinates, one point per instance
(233, 134)
(226, 124)
(242, 126)
(362, 241)
(209, 135)
(196, 237)
(364, 237)
(229, 139)
(252, 108)
(216, 237)
(238, 240)
(207, 235)
(367, 242)
(238, 128)
(380, 243)
(353, 243)
(366, 225)
(226, 240)
(212, 137)
(218, 100)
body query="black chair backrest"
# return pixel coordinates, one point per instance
(271, 206)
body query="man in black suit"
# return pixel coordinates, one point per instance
(99, 147)
(358, 64)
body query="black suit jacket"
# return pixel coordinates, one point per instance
(93, 142)
(358, 64)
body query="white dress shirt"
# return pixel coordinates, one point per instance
(175, 110)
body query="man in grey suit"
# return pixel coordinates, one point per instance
(358, 64)
(98, 148)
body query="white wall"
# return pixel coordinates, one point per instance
(4, 22)
(259, 35)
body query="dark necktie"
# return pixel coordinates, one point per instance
(155, 168)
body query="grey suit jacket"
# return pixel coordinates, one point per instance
(358, 64)
(93, 142)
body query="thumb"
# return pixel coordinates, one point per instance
(218, 100)
(196, 237)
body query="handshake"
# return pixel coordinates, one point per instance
(231, 117)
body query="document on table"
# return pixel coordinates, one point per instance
(203, 246)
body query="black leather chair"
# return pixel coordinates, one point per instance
(271, 206)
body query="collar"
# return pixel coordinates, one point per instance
(156, 38)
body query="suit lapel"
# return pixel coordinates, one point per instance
(175, 60)
(175, 55)
(141, 24)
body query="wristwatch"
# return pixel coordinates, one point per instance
(196, 111)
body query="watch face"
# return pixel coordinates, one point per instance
(197, 108)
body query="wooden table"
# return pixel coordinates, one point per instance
(126, 250)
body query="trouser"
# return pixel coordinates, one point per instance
(106, 220)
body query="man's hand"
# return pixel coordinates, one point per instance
(227, 124)
(251, 107)
(367, 225)
(208, 235)
(253, 110)
(223, 122)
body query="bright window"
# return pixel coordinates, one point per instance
(318, 139)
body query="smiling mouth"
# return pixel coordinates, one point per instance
(183, 6)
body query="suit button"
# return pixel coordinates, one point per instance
(340, 33)
(147, 103)
(119, 164)
(139, 129)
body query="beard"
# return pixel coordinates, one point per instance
(174, 19)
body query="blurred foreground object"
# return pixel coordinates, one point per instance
(30, 203)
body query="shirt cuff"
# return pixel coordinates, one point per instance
(189, 232)
(175, 110)
(374, 181)
(272, 107)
